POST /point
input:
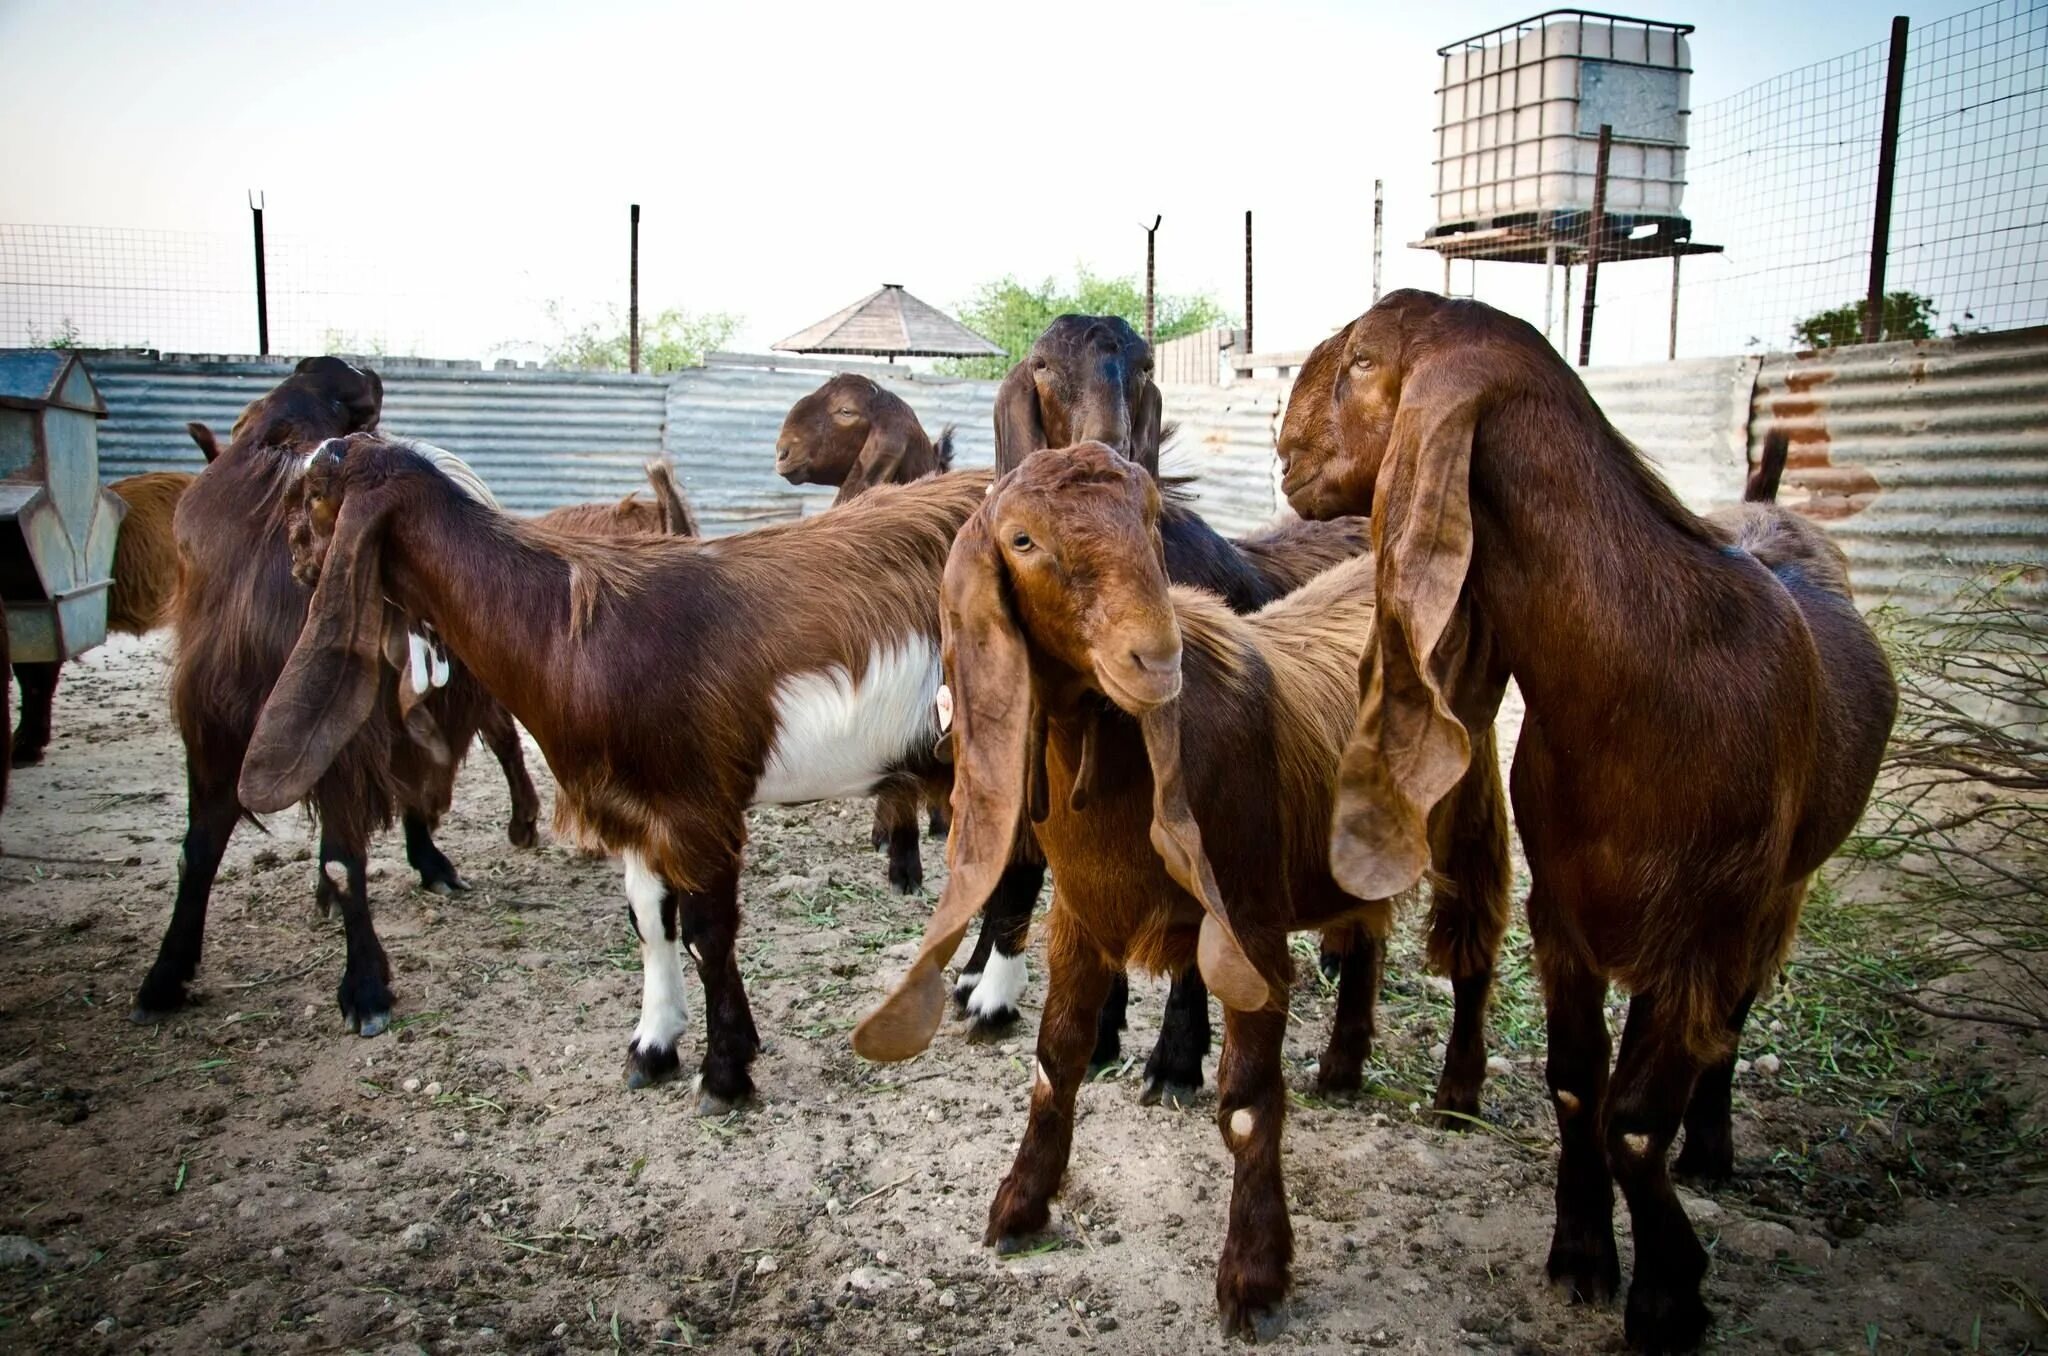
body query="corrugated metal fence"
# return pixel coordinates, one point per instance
(1922, 458)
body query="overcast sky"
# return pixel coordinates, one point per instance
(789, 156)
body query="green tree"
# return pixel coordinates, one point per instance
(1014, 315)
(1907, 315)
(669, 341)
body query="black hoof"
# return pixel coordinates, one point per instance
(963, 990)
(1339, 1081)
(1705, 1162)
(647, 1066)
(1587, 1272)
(1332, 965)
(714, 1105)
(157, 1002)
(523, 833)
(24, 757)
(1169, 1094)
(439, 875)
(906, 874)
(1459, 1103)
(365, 999)
(993, 1025)
(938, 825)
(1009, 1245)
(1665, 1318)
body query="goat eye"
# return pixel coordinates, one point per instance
(1362, 362)
(1021, 542)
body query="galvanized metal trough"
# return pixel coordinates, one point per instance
(57, 526)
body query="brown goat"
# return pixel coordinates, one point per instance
(670, 683)
(668, 514)
(1706, 713)
(238, 614)
(1089, 377)
(1137, 723)
(852, 433)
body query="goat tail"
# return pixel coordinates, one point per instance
(1770, 468)
(677, 517)
(942, 449)
(209, 447)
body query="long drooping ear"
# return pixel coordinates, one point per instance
(1408, 747)
(1146, 429)
(880, 460)
(990, 682)
(1178, 841)
(1020, 428)
(330, 683)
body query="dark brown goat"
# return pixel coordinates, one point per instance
(671, 684)
(1089, 377)
(1706, 712)
(852, 433)
(1179, 763)
(238, 614)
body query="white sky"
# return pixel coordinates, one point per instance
(790, 157)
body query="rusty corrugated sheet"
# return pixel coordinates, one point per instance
(1924, 460)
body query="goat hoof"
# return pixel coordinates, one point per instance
(713, 1106)
(1664, 1317)
(1459, 1102)
(1334, 1081)
(1331, 964)
(906, 876)
(989, 1026)
(1587, 1271)
(964, 990)
(365, 1003)
(939, 827)
(1249, 1291)
(25, 757)
(649, 1065)
(376, 1024)
(1705, 1162)
(1169, 1094)
(158, 999)
(523, 833)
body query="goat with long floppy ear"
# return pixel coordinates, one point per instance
(1706, 714)
(1087, 378)
(997, 735)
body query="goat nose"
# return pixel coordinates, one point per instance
(1157, 662)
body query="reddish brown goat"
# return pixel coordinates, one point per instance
(1179, 763)
(238, 614)
(1706, 713)
(1090, 377)
(852, 433)
(668, 514)
(670, 683)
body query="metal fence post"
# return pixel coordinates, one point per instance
(1150, 232)
(1379, 212)
(1887, 165)
(1594, 231)
(262, 286)
(633, 299)
(1248, 282)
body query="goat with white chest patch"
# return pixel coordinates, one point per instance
(670, 684)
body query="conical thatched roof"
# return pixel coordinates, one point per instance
(891, 323)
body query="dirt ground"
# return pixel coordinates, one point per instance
(248, 1177)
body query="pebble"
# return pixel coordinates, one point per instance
(15, 1251)
(311, 1012)
(1107, 1323)
(868, 1280)
(420, 1236)
(277, 1254)
(833, 1206)
(934, 1115)
(411, 1085)
(433, 1089)
(948, 1300)
(559, 1330)
(1742, 1068)
(1765, 1239)
(1768, 1065)
(766, 1265)
(105, 1327)
(1437, 1052)
(460, 1139)
(1497, 1066)
(914, 1333)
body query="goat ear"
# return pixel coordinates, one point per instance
(1020, 428)
(1146, 428)
(330, 683)
(1178, 841)
(1083, 792)
(881, 457)
(990, 681)
(1409, 747)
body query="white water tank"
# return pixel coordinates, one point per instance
(1519, 113)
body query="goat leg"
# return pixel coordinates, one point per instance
(1173, 1071)
(1468, 916)
(652, 906)
(38, 695)
(1361, 959)
(495, 725)
(1251, 1104)
(365, 989)
(710, 922)
(1582, 1259)
(1077, 980)
(437, 873)
(1006, 923)
(938, 813)
(1653, 1080)
(1709, 1152)
(210, 811)
(896, 829)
